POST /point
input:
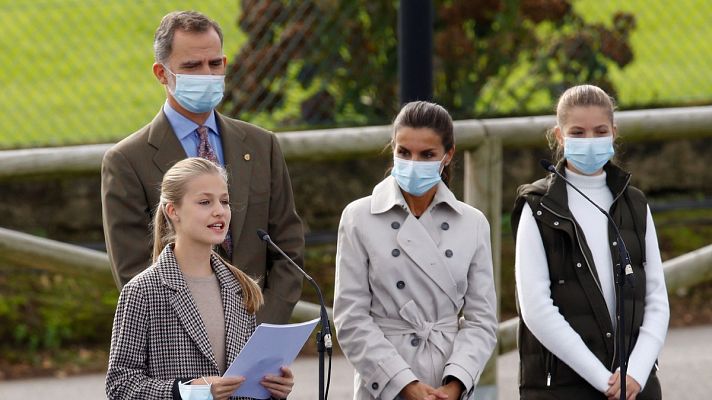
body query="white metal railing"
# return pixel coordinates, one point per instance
(680, 272)
(639, 125)
(32, 251)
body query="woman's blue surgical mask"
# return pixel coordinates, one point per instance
(588, 155)
(194, 392)
(416, 177)
(198, 93)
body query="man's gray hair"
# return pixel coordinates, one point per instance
(187, 21)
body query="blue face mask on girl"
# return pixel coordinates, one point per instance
(194, 392)
(198, 93)
(588, 155)
(416, 177)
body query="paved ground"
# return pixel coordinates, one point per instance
(686, 365)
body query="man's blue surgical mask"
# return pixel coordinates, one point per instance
(588, 155)
(198, 93)
(194, 392)
(416, 177)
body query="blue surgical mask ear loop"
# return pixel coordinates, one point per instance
(175, 82)
(442, 166)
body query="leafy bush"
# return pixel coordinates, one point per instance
(491, 57)
(41, 310)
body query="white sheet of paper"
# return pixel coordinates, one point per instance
(269, 348)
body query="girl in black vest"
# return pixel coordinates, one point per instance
(565, 253)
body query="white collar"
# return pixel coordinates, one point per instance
(387, 194)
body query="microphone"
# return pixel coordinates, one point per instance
(623, 250)
(324, 316)
(547, 165)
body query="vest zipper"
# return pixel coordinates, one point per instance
(615, 342)
(615, 348)
(548, 368)
(578, 242)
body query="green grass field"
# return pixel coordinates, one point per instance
(673, 50)
(79, 71)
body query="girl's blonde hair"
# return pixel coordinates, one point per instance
(173, 189)
(578, 96)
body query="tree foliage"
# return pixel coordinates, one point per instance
(336, 61)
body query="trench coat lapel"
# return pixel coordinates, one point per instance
(163, 139)
(426, 220)
(238, 161)
(414, 238)
(416, 242)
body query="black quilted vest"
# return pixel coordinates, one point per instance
(575, 289)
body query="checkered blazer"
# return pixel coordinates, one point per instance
(159, 336)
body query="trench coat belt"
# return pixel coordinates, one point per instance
(421, 328)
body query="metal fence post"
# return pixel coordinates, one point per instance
(415, 50)
(483, 190)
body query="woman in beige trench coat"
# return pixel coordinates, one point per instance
(414, 303)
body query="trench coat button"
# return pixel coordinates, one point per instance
(538, 212)
(556, 223)
(374, 386)
(395, 252)
(578, 265)
(448, 253)
(608, 335)
(395, 224)
(444, 226)
(615, 243)
(415, 342)
(400, 284)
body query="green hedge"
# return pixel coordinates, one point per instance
(42, 310)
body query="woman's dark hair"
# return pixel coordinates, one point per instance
(423, 114)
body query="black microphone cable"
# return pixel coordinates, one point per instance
(325, 335)
(627, 275)
(628, 270)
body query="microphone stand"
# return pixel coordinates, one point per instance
(323, 337)
(624, 274)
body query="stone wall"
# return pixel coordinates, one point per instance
(69, 208)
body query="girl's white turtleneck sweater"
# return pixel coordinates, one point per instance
(534, 294)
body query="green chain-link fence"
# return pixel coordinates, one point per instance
(79, 71)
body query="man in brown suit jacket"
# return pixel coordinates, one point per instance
(188, 44)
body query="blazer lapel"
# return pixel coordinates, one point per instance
(237, 328)
(414, 239)
(163, 139)
(182, 303)
(184, 306)
(238, 161)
